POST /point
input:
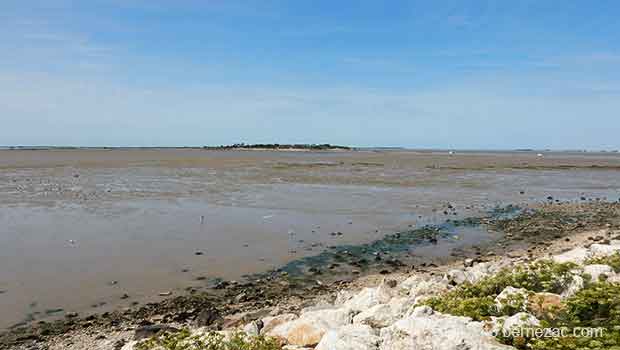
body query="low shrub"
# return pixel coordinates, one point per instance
(612, 260)
(590, 319)
(183, 340)
(477, 300)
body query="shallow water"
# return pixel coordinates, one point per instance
(81, 228)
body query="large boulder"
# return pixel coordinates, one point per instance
(310, 327)
(544, 305)
(595, 271)
(253, 328)
(403, 306)
(350, 337)
(304, 334)
(425, 329)
(131, 345)
(370, 297)
(603, 250)
(342, 296)
(481, 270)
(577, 256)
(575, 285)
(269, 323)
(420, 286)
(493, 326)
(519, 321)
(455, 276)
(378, 316)
(472, 274)
(614, 279)
(512, 298)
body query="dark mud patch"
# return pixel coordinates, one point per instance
(557, 220)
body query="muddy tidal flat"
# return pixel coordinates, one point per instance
(88, 231)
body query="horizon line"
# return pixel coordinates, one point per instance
(352, 148)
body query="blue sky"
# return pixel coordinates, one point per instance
(430, 74)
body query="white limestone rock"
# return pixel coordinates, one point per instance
(512, 297)
(378, 316)
(455, 276)
(519, 321)
(130, 345)
(575, 285)
(494, 326)
(310, 327)
(481, 270)
(597, 270)
(577, 256)
(269, 323)
(421, 285)
(343, 296)
(368, 298)
(253, 328)
(350, 337)
(425, 329)
(472, 274)
(603, 250)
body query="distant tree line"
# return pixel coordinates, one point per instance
(324, 146)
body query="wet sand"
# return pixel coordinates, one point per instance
(83, 227)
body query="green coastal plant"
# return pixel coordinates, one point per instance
(598, 305)
(183, 340)
(477, 300)
(590, 319)
(612, 260)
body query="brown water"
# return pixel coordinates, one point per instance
(79, 228)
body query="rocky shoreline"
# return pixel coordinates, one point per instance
(290, 298)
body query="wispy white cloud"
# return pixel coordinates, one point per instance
(36, 44)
